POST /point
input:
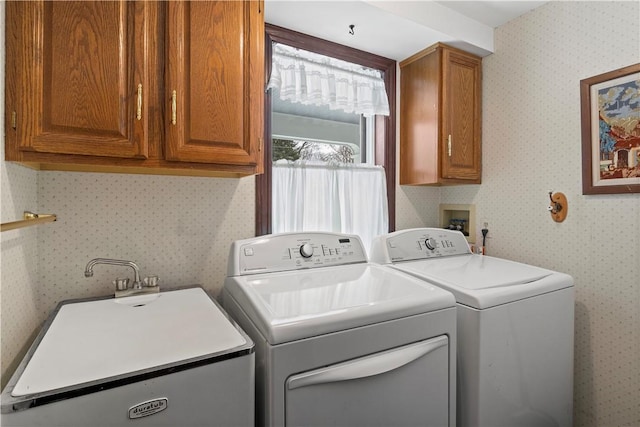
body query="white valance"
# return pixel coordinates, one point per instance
(310, 78)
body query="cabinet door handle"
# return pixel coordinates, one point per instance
(174, 107)
(139, 113)
(449, 145)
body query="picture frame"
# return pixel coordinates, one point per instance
(610, 116)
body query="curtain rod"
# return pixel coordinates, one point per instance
(352, 166)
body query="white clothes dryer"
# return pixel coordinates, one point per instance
(340, 341)
(515, 328)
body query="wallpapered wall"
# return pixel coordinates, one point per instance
(531, 145)
(180, 228)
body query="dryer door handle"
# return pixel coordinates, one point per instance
(368, 366)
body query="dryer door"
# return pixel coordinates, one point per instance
(405, 386)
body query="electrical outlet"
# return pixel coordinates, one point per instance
(485, 226)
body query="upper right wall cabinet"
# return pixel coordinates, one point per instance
(440, 117)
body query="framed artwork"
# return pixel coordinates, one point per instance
(610, 105)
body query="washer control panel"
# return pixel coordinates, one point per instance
(294, 251)
(419, 243)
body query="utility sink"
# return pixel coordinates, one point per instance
(88, 341)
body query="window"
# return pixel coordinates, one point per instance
(287, 141)
(316, 133)
(312, 133)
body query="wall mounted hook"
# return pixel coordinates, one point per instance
(558, 207)
(351, 31)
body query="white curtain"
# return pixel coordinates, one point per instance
(318, 197)
(309, 78)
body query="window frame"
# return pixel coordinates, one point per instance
(385, 126)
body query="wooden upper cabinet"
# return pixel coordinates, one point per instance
(136, 86)
(440, 117)
(77, 81)
(215, 81)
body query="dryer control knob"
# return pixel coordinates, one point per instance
(430, 243)
(306, 250)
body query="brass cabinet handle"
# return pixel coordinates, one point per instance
(449, 146)
(174, 107)
(139, 114)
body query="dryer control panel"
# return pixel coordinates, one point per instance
(294, 251)
(418, 243)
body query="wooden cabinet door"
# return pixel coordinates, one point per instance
(77, 86)
(215, 82)
(419, 118)
(460, 137)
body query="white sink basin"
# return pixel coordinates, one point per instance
(93, 340)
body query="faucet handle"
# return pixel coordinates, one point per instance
(121, 284)
(151, 281)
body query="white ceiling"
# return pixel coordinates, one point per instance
(492, 13)
(398, 29)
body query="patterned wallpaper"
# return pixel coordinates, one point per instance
(417, 207)
(180, 228)
(19, 318)
(531, 145)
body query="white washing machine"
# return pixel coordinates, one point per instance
(515, 328)
(167, 359)
(340, 341)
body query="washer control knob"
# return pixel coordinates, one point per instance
(306, 250)
(430, 243)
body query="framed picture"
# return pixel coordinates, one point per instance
(610, 104)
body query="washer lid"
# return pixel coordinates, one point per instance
(482, 281)
(93, 340)
(299, 304)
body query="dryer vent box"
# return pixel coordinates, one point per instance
(459, 217)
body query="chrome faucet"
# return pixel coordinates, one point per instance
(150, 284)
